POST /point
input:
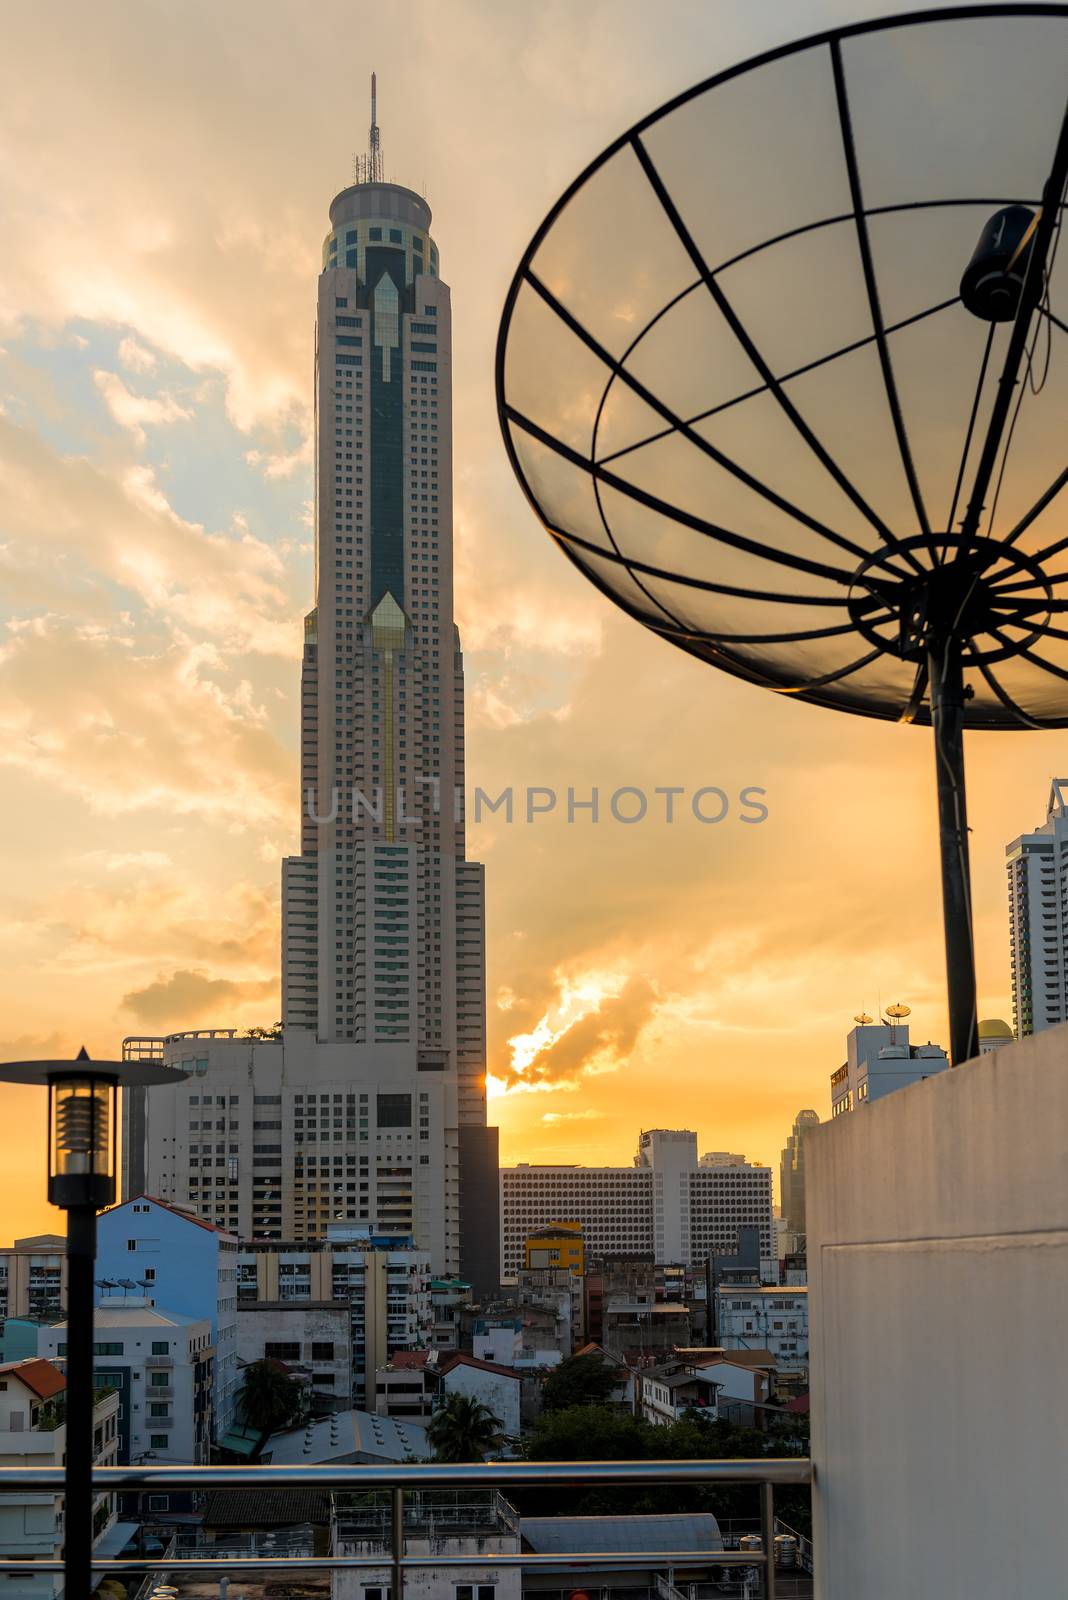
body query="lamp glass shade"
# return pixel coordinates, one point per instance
(81, 1157)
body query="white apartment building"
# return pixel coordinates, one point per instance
(775, 1319)
(383, 915)
(33, 1433)
(667, 1206)
(313, 1335)
(161, 1365)
(1037, 867)
(278, 1139)
(383, 1279)
(880, 1059)
(449, 1524)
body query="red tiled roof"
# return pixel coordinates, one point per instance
(407, 1359)
(460, 1358)
(799, 1406)
(41, 1376)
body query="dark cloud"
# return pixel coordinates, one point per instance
(187, 996)
(604, 1037)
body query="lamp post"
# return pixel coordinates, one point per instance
(82, 1158)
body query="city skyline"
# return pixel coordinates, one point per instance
(155, 425)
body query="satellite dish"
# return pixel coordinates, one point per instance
(899, 1011)
(785, 374)
(862, 1017)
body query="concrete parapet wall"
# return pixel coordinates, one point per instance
(938, 1274)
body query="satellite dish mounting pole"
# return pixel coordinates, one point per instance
(946, 679)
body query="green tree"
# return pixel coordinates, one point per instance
(270, 1398)
(579, 1381)
(463, 1429)
(588, 1433)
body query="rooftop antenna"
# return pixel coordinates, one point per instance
(374, 146)
(897, 1013)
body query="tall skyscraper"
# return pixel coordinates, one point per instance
(792, 1173)
(383, 916)
(1037, 865)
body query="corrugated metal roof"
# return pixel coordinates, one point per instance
(611, 1535)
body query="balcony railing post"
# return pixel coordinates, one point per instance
(397, 1542)
(767, 1537)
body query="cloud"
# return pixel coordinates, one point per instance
(186, 997)
(593, 1028)
(166, 731)
(589, 1115)
(282, 463)
(125, 860)
(134, 356)
(70, 523)
(134, 411)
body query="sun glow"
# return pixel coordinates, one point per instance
(577, 998)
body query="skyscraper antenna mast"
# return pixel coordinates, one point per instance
(374, 148)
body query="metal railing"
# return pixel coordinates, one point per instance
(760, 1473)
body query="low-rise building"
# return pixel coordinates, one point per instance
(33, 1277)
(643, 1330)
(181, 1261)
(161, 1366)
(33, 1433)
(498, 1387)
(312, 1335)
(448, 1298)
(559, 1244)
(383, 1279)
(710, 1384)
(755, 1317)
(448, 1524)
(880, 1059)
(404, 1388)
(625, 1392)
(558, 1292)
(19, 1337)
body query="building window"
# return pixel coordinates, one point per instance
(159, 1441)
(160, 1347)
(282, 1351)
(322, 1352)
(159, 1502)
(394, 1110)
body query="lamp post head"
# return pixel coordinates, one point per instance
(82, 1121)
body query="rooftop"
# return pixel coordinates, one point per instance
(460, 1358)
(40, 1376)
(575, 1535)
(346, 1434)
(135, 1312)
(175, 1210)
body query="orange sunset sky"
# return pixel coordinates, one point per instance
(165, 173)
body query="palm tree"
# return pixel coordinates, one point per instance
(269, 1397)
(463, 1429)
